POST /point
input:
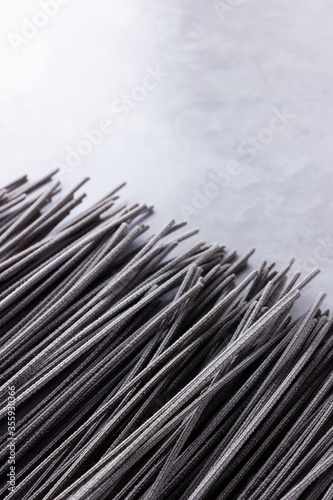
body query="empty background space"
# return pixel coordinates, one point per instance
(235, 86)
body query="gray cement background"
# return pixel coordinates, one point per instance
(228, 70)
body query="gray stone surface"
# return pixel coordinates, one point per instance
(230, 70)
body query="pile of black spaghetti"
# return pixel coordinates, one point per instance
(134, 370)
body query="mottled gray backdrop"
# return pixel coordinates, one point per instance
(219, 111)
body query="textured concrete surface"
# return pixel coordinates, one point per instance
(220, 111)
